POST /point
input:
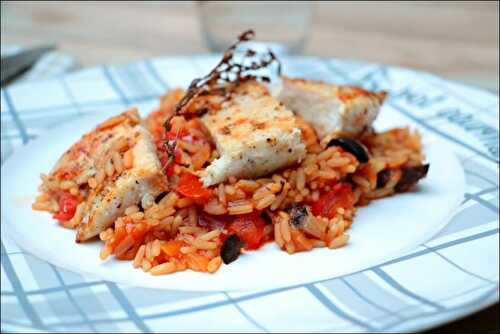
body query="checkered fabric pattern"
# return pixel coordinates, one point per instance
(51, 64)
(452, 274)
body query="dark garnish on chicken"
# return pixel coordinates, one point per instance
(227, 73)
(230, 71)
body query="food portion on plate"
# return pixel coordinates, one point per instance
(254, 135)
(108, 169)
(225, 167)
(331, 109)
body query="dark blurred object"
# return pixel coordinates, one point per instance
(281, 26)
(486, 321)
(14, 65)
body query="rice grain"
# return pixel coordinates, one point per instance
(214, 264)
(339, 241)
(128, 159)
(162, 269)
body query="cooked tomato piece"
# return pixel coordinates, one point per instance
(368, 173)
(171, 135)
(171, 247)
(177, 156)
(340, 196)
(170, 170)
(136, 231)
(249, 228)
(139, 232)
(167, 165)
(118, 236)
(67, 207)
(190, 186)
(67, 173)
(129, 254)
(213, 222)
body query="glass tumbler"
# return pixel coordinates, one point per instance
(281, 26)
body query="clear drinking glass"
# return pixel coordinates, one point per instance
(282, 26)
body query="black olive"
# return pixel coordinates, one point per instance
(410, 177)
(298, 213)
(266, 216)
(302, 219)
(231, 248)
(383, 177)
(352, 146)
(160, 197)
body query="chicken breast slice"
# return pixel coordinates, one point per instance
(79, 162)
(254, 134)
(331, 109)
(144, 180)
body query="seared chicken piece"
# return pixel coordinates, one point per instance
(331, 109)
(143, 182)
(95, 172)
(254, 135)
(79, 163)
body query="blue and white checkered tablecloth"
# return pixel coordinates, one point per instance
(449, 276)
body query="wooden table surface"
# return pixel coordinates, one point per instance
(455, 40)
(458, 41)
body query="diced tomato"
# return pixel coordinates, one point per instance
(67, 173)
(168, 166)
(340, 196)
(171, 247)
(171, 135)
(170, 169)
(223, 236)
(178, 156)
(129, 254)
(250, 228)
(213, 222)
(368, 173)
(191, 187)
(161, 258)
(67, 207)
(159, 145)
(139, 232)
(118, 236)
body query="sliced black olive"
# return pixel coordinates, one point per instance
(298, 214)
(352, 146)
(231, 248)
(410, 176)
(160, 197)
(266, 216)
(383, 177)
(302, 219)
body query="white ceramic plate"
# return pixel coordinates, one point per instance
(386, 228)
(444, 275)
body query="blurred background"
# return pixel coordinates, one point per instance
(457, 40)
